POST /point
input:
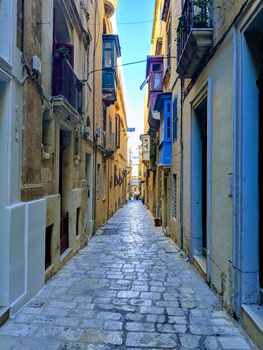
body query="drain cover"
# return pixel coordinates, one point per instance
(36, 304)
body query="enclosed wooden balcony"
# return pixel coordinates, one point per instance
(145, 140)
(110, 54)
(163, 105)
(194, 36)
(154, 77)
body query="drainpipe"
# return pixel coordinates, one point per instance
(181, 171)
(108, 185)
(95, 145)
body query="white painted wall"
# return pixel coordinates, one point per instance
(22, 230)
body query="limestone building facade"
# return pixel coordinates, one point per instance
(63, 136)
(211, 83)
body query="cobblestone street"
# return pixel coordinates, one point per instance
(128, 289)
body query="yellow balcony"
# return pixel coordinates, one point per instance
(110, 6)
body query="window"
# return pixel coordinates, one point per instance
(20, 25)
(116, 180)
(98, 182)
(108, 54)
(118, 132)
(104, 127)
(168, 127)
(157, 81)
(104, 179)
(169, 43)
(156, 67)
(48, 241)
(174, 196)
(162, 130)
(175, 120)
(77, 221)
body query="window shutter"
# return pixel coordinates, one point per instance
(175, 120)
(117, 131)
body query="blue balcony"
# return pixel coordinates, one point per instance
(111, 51)
(165, 154)
(163, 105)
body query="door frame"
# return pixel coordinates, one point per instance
(204, 92)
(89, 173)
(245, 197)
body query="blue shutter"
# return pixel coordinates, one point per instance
(175, 119)
(167, 121)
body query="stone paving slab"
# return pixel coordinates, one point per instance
(129, 288)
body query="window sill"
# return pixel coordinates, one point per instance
(65, 254)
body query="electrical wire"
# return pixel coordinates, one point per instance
(131, 23)
(120, 65)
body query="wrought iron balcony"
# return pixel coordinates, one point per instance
(110, 6)
(108, 143)
(66, 83)
(194, 36)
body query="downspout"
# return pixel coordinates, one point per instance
(181, 171)
(95, 146)
(108, 185)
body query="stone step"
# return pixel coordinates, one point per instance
(253, 322)
(4, 314)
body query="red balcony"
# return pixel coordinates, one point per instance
(66, 83)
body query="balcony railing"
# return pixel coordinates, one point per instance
(66, 83)
(195, 24)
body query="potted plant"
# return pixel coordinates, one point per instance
(63, 52)
(181, 26)
(201, 13)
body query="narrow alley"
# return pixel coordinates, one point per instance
(128, 288)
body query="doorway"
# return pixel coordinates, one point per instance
(199, 175)
(64, 186)
(248, 277)
(260, 163)
(89, 178)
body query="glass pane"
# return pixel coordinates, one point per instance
(157, 82)
(168, 127)
(107, 45)
(107, 58)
